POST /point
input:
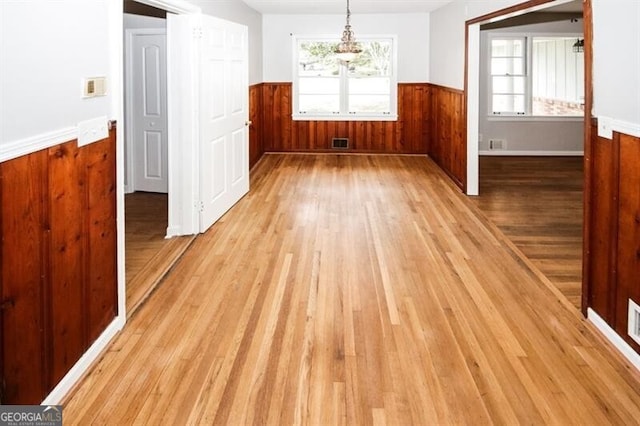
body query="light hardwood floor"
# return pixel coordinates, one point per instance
(537, 203)
(148, 254)
(356, 290)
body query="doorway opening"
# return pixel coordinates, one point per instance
(534, 193)
(148, 253)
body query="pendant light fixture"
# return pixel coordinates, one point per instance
(348, 48)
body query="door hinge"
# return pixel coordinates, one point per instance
(200, 206)
(197, 32)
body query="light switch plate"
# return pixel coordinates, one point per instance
(93, 130)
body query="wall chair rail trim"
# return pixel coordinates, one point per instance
(35, 143)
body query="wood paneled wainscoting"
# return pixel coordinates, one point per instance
(430, 121)
(256, 128)
(612, 246)
(408, 135)
(58, 255)
(448, 146)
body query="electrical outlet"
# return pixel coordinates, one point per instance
(497, 144)
(633, 323)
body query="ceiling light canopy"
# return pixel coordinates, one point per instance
(348, 48)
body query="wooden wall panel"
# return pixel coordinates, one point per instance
(66, 199)
(628, 247)
(408, 135)
(256, 127)
(602, 188)
(612, 253)
(23, 255)
(58, 255)
(448, 146)
(100, 278)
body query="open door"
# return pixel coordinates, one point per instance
(224, 115)
(208, 119)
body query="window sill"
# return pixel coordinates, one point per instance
(570, 118)
(307, 117)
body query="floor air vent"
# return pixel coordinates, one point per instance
(340, 143)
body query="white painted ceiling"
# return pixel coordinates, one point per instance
(310, 7)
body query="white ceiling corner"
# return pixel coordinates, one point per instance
(313, 7)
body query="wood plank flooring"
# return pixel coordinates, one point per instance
(148, 254)
(356, 290)
(537, 203)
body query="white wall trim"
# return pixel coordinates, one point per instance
(85, 362)
(173, 6)
(509, 153)
(36, 143)
(473, 109)
(607, 125)
(609, 333)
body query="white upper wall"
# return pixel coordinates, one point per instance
(412, 31)
(616, 60)
(46, 49)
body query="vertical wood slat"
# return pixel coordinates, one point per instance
(628, 232)
(23, 182)
(101, 289)
(613, 256)
(256, 128)
(448, 142)
(66, 189)
(280, 133)
(58, 256)
(601, 193)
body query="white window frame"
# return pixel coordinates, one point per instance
(344, 114)
(528, 37)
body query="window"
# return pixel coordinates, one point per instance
(536, 76)
(326, 89)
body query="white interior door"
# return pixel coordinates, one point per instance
(224, 138)
(148, 135)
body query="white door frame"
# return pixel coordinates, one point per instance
(116, 89)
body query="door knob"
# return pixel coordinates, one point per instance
(248, 123)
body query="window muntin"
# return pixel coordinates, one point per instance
(325, 88)
(508, 73)
(535, 75)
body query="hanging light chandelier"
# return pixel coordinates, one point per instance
(348, 48)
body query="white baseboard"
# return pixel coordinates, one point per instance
(84, 363)
(26, 146)
(173, 231)
(632, 356)
(511, 153)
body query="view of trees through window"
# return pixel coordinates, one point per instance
(326, 85)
